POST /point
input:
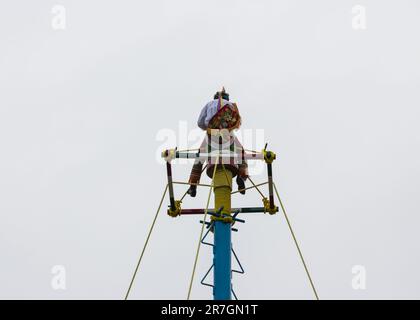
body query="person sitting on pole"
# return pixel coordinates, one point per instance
(219, 114)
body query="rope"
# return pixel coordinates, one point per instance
(296, 243)
(145, 244)
(186, 192)
(257, 185)
(249, 178)
(202, 230)
(192, 184)
(257, 152)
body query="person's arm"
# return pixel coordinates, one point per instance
(202, 117)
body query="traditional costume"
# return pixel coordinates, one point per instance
(220, 114)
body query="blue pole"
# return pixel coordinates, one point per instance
(222, 261)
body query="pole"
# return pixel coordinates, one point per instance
(222, 249)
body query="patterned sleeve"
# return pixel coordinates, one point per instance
(202, 117)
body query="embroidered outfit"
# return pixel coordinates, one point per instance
(220, 114)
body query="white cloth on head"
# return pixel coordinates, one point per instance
(209, 111)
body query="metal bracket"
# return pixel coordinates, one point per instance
(234, 294)
(242, 271)
(205, 276)
(210, 228)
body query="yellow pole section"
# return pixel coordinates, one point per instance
(222, 189)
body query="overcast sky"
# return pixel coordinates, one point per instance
(84, 109)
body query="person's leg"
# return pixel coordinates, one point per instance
(195, 178)
(242, 166)
(196, 171)
(242, 177)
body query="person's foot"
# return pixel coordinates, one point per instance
(241, 184)
(192, 191)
